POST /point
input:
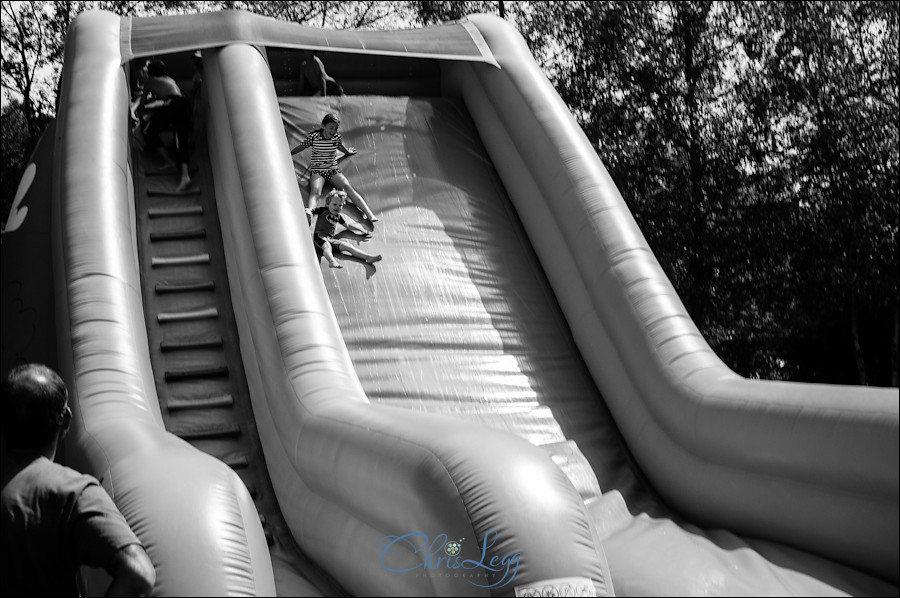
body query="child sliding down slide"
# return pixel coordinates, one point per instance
(328, 217)
(326, 142)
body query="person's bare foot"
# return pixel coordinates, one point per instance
(335, 264)
(373, 259)
(183, 186)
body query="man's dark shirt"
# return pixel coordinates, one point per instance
(54, 520)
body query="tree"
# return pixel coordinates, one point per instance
(336, 14)
(434, 12)
(827, 88)
(657, 124)
(701, 115)
(25, 53)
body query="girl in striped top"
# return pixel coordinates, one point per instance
(325, 143)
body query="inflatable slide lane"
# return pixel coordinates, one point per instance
(512, 402)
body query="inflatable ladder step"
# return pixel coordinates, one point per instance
(168, 171)
(200, 403)
(201, 372)
(181, 260)
(184, 316)
(179, 211)
(158, 192)
(236, 461)
(208, 432)
(178, 235)
(184, 287)
(183, 344)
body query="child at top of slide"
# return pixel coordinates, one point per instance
(314, 81)
(162, 107)
(326, 142)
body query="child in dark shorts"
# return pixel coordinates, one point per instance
(327, 219)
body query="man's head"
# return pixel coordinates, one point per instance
(34, 408)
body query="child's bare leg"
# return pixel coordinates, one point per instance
(341, 182)
(316, 182)
(329, 255)
(357, 252)
(168, 162)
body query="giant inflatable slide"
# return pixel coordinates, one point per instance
(512, 402)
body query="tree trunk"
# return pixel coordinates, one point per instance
(895, 343)
(691, 23)
(857, 347)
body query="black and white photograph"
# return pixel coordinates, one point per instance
(437, 298)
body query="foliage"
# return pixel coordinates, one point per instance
(340, 14)
(435, 12)
(25, 49)
(755, 142)
(821, 125)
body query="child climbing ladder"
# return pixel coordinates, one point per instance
(162, 106)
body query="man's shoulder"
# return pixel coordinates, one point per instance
(62, 474)
(41, 475)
